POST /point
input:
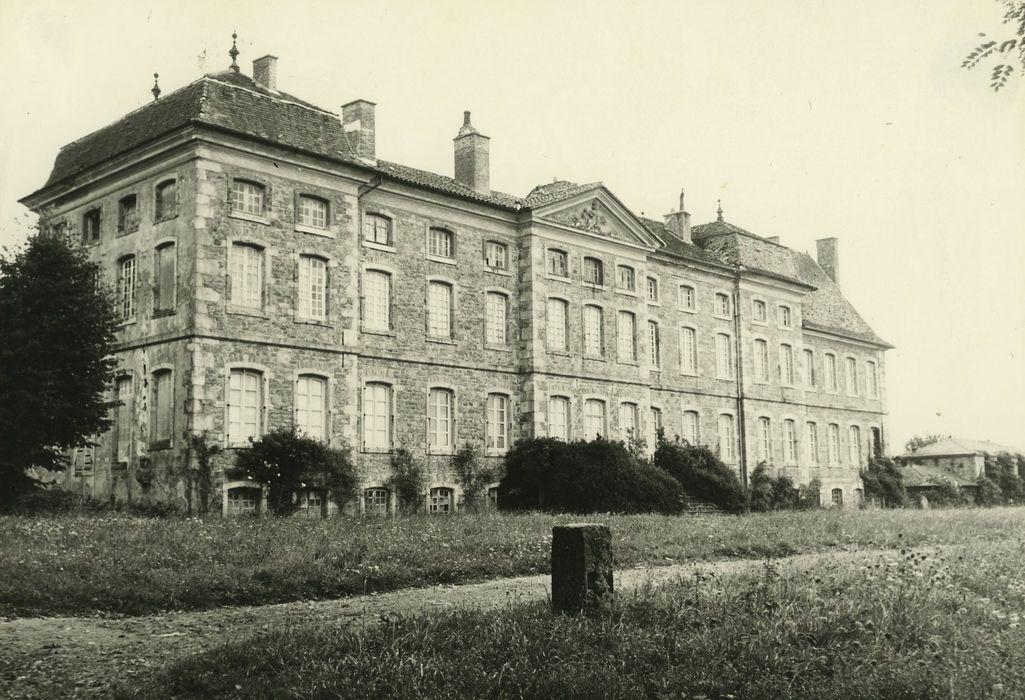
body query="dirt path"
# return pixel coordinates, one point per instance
(85, 656)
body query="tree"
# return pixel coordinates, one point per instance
(55, 358)
(884, 481)
(471, 473)
(1010, 50)
(287, 463)
(919, 441)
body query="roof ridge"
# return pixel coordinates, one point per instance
(294, 101)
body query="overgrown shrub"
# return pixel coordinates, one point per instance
(810, 495)
(471, 473)
(584, 477)
(287, 462)
(701, 474)
(767, 492)
(53, 500)
(947, 493)
(1002, 469)
(987, 493)
(406, 480)
(884, 482)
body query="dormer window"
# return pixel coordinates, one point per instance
(496, 255)
(91, 226)
(312, 212)
(594, 271)
(128, 214)
(247, 197)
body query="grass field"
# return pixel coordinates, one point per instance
(901, 625)
(130, 565)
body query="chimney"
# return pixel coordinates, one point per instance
(828, 258)
(358, 125)
(472, 157)
(265, 72)
(679, 222)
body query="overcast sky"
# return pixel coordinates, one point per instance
(808, 119)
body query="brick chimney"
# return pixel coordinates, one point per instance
(828, 258)
(679, 222)
(265, 72)
(472, 157)
(358, 125)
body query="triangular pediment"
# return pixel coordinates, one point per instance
(598, 212)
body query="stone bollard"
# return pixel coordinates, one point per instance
(581, 565)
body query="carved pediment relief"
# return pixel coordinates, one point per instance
(593, 217)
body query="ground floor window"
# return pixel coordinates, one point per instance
(244, 500)
(493, 498)
(837, 496)
(440, 500)
(375, 501)
(312, 504)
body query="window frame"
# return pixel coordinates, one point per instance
(598, 266)
(717, 297)
(850, 371)
(756, 304)
(631, 357)
(157, 439)
(306, 227)
(159, 250)
(633, 410)
(449, 337)
(730, 374)
(505, 435)
(784, 317)
(689, 365)
(128, 223)
(727, 449)
(162, 210)
(654, 345)
(434, 448)
(441, 500)
(603, 417)
(326, 382)
(763, 439)
(305, 293)
(552, 254)
(127, 295)
(684, 417)
(244, 213)
(791, 445)
(652, 293)
(831, 371)
(240, 305)
(503, 247)
(682, 296)
(871, 379)
(388, 417)
(375, 217)
(629, 286)
(370, 500)
(92, 225)
(367, 302)
(600, 331)
(787, 369)
(450, 236)
(760, 360)
(490, 324)
(564, 305)
(811, 448)
(567, 416)
(262, 376)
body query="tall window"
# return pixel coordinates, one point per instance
(688, 351)
(166, 200)
(377, 301)
(594, 271)
(626, 336)
(161, 406)
(594, 418)
(852, 376)
(377, 229)
(375, 501)
(246, 276)
(593, 331)
(764, 439)
(245, 406)
(557, 263)
(126, 287)
(312, 211)
(786, 364)
(830, 372)
(439, 243)
(247, 197)
(496, 255)
(727, 438)
(439, 310)
(833, 444)
(377, 416)
(440, 419)
(440, 501)
(311, 406)
(872, 379)
(789, 442)
(758, 310)
(558, 417)
(312, 288)
(656, 424)
(495, 311)
(128, 214)
(654, 346)
(723, 356)
(497, 426)
(784, 317)
(626, 278)
(557, 313)
(761, 360)
(123, 421)
(687, 297)
(854, 445)
(722, 305)
(627, 420)
(809, 368)
(652, 289)
(811, 439)
(165, 275)
(837, 497)
(91, 226)
(691, 432)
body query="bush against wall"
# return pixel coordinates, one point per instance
(767, 492)
(471, 473)
(701, 474)
(406, 480)
(987, 492)
(287, 462)
(584, 477)
(1002, 469)
(947, 493)
(884, 482)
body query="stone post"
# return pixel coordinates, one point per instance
(581, 565)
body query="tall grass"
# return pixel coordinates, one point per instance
(906, 624)
(133, 565)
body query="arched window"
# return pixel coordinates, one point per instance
(727, 438)
(496, 307)
(126, 287)
(691, 431)
(594, 331)
(687, 297)
(165, 278)
(654, 345)
(764, 439)
(594, 271)
(811, 438)
(626, 279)
(789, 442)
(854, 445)
(440, 419)
(244, 500)
(440, 243)
(558, 417)
(761, 360)
(626, 336)
(722, 305)
(166, 200)
(312, 287)
(557, 312)
(161, 406)
(627, 420)
(784, 317)
(724, 356)
(758, 310)
(837, 497)
(245, 406)
(128, 214)
(439, 310)
(558, 265)
(496, 427)
(247, 197)
(246, 276)
(496, 255)
(688, 350)
(594, 418)
(312, 211)
(311, 406)
(786, 364)
(377, 416)
(377, 229)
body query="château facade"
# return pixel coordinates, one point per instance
(270, 270)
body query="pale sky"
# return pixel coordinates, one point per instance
(808, 119)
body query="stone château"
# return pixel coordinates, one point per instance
(270, 270)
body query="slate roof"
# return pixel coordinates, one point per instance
(920, 475)
(958, 446)
(676, 245)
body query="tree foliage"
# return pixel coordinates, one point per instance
(767, 492)
(55, 358)
(919, 441)
(1002, 469)
(884, 482)
(1009, 51)
(287, 462)
(701, 474)
(471, 473)
(406, 480)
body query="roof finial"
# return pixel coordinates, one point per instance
(719, 211)
(156, 88)
(681, 200)
(233, 53)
